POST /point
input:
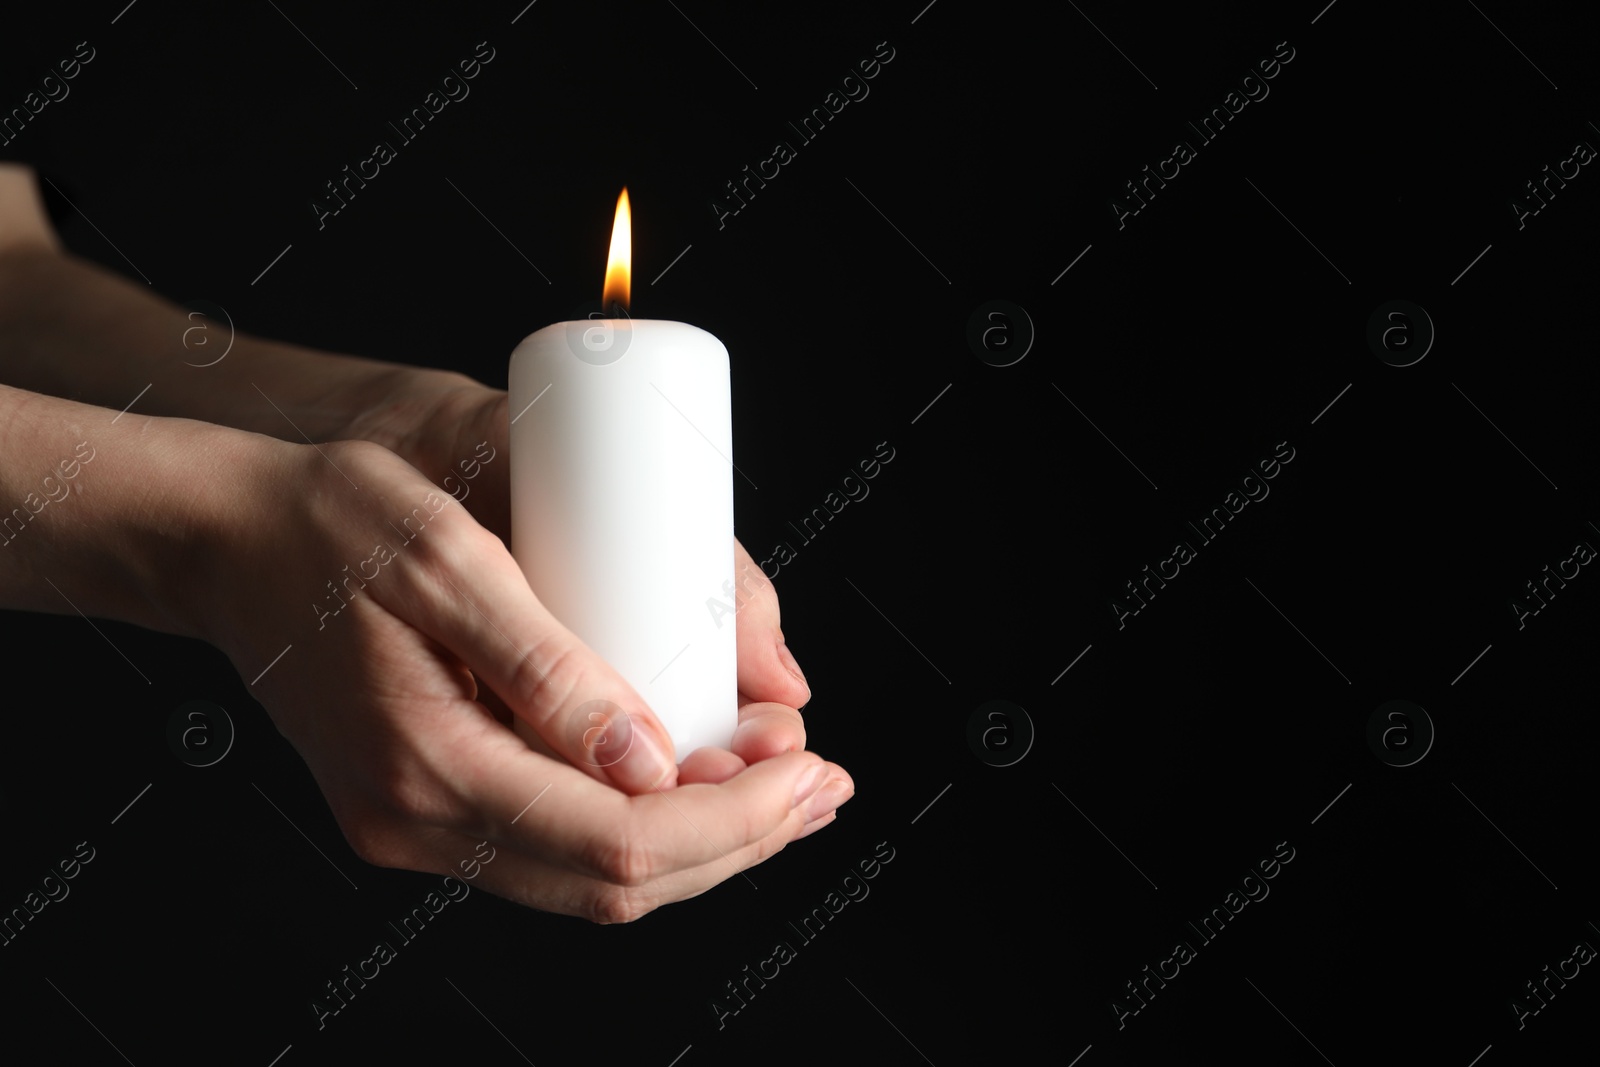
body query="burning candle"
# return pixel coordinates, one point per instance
(622, 499)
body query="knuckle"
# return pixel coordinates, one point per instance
(334, 461)
(610, 905)
(356, 451)
(623, 861)
(544, 689)
(406, 801)
(405, 791)
(438, 540)
(373, 844)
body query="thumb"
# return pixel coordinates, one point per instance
(566, 699)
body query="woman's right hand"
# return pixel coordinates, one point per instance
(370, 608)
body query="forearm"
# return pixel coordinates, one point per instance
(108, 515)
(70, 328)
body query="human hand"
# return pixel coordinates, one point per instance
(440, 422)
(380, 655)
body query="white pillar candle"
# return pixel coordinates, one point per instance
(622, 507)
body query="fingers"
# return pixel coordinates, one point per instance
(838, 788)
(817, 824)
(469, 595)
(538, 884)
(583, 847)
(766, 730)
(568, 702)
(767, 671)
(635, 840)
(711, 765)
(561, 815)
(541, 884)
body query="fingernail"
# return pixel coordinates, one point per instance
(816, 824)
(647, 763)
(786, 658)
(836, 792)
(809, 783)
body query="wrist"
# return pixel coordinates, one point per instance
(119, 516)
(248, 484)
(411, 410)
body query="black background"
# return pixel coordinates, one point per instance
(1176, 752)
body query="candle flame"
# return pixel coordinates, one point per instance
(619, 264)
